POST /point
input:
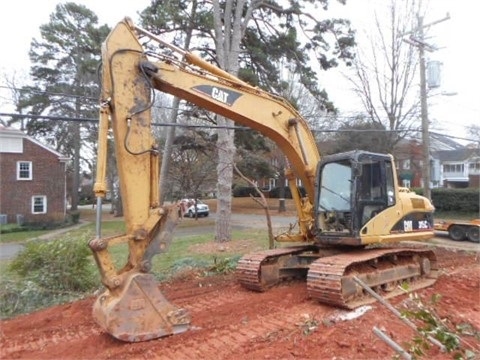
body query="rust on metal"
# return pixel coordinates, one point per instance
(139, 312)
(262, 270)
(330, 273)
(330, 279)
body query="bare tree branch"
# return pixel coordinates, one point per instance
(263, 202)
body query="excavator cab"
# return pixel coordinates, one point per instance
(353, 187)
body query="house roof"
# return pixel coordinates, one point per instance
(441, 142)
(456, 155)
(438, 142)
(8, 132)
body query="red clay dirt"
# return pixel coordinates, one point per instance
(229, 322)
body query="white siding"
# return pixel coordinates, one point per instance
(11, 145)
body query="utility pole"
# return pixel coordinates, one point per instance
(424, 115)
(419, 42)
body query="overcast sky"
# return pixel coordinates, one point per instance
(457, 52)
(20, 20)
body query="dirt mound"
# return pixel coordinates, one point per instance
(229, 322)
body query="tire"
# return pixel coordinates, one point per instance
(473, 234)
(456, 233)
(191, 214)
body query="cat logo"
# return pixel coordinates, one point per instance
(225, 96)
(220, 95)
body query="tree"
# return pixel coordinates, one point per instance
(276, 28)
(12, 81)
(363, 134)
(64, 74)
(263, 203)
(193, 164)
(473, 132)
(248, 39)
(169, 16)
(385, 72)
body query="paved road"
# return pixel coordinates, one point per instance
(240, 221)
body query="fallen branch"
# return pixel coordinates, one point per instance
(396, 312)
(391, 343)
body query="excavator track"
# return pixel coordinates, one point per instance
(330, 273)
(262, 270)
(330, 279)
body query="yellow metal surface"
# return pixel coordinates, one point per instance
(139, 312)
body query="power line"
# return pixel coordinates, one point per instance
(163, 124)
(49, 93)
(77, 119)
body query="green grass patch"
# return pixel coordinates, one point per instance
(19, 236)
(182, 254)
(109, 228)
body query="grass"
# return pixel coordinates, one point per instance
(200, 249)
(20, 236)
(188, 254)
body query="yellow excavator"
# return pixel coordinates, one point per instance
(353, 205)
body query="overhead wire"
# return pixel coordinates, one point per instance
(164, 124)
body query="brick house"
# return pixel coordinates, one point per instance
(32, 180)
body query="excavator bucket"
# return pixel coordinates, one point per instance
(140, 312)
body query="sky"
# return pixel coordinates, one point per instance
(20, 21)
(455, 104)
(458, 53)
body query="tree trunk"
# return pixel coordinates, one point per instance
(226, 152)
(281, 200)
(228, 34)
(167, 151)
(76, 161)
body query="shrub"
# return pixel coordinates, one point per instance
(429, 323)
(275, 192)
(24, 296)
(224, 265)
(11, 228)
(461, 200)
(244, 191)
(47, 273)
(59, 265)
